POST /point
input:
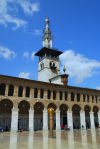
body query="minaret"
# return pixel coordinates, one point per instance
(48, 64)
(47, 39)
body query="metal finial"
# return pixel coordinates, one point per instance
(64, 69)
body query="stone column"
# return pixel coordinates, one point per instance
(38, 93)
(24, 92)
(51, 94)
(14, 120)
(58, 96)
(90, 99)
(69, 97)
(99, 117)
(45, 120)
(58, 127)
(45, 95)
(15, 91)
(31, 120)
(70, 119)
(92, 120)
(31, 93)
(81, 97)
(82, 119)
(63, 96)
(6, 90)
(75, 97)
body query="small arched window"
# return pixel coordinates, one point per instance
(35, 92)
(72, 96)
(83, 97)
(66, 95)
(2, 89)
(11, 90)
(78, 97)
(27, 91)
(20, 91)
(41, 93)
(49, 94)
(54, 94)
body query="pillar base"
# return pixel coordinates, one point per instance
(92, 127)
(58, 128)
(14, 129)
(71, 127)
(31, 129)
(45, 128)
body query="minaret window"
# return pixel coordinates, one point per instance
(52, 64)
(42, 65)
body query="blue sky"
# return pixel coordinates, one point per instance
(75, 27)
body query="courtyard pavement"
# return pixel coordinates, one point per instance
(78, 139)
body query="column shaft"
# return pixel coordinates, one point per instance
(58, 127)
(92, 120)
(70, 119)
(14, 120)
(99, 117)
(31, 120)
(45, 120)
(82, 119)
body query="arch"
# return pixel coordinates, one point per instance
(72, 96)
(52, 105)
(63, 109)
(54, 94)
(66, 95)
(38, 108)
(95, 110)
(78, 97)
(24, 107)
(76, 109)
(49, 94)
(20, 91)
(27, 91)
(35, 92)
(61, 94)
(41, 93)
(5, 106)
(11, 90)
(2, 89)
(87, 109)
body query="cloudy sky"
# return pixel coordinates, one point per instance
(75, 27)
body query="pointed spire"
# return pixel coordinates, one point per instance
(47, 39)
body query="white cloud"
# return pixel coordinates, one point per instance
(26, 55)
(24, 75)
(28, 8)
(7, 6)
(71, 42)
(32, 56)
(6, 53)
(98, 87)
(37, 32)
(78, 66)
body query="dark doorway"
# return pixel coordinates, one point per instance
(64, 121)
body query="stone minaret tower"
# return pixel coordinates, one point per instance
(48, 64)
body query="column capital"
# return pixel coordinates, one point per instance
(57, 111)
(82, 111)
(91, 112)
(15, 109)
(31, 110)
(69, 111)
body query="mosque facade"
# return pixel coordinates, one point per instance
(24, 102)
